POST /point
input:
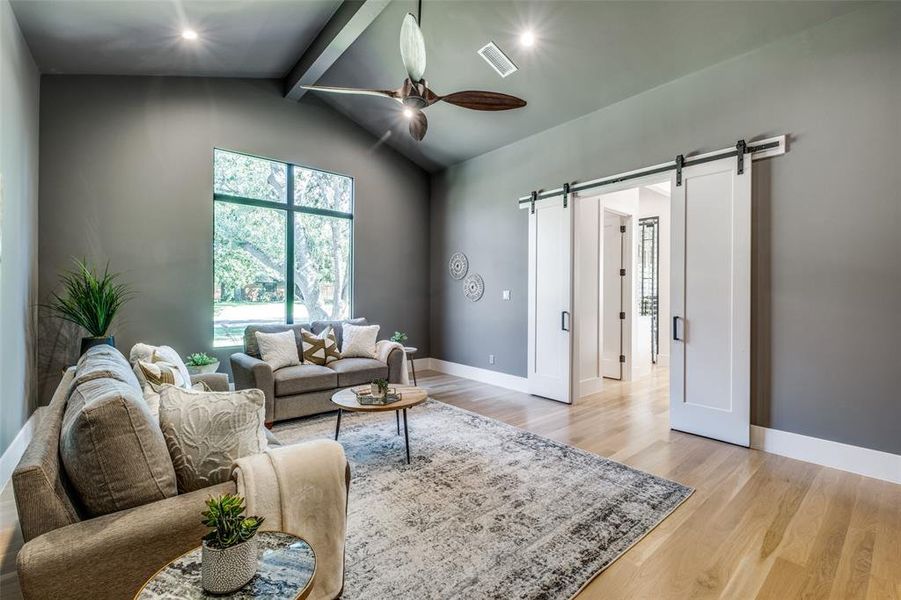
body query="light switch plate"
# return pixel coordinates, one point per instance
(490, 359)
(505, 294)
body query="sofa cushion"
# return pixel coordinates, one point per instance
(103, 362)
(251, 348)
(304, 378)
(112, 449)
(354, 371)
(320, 326)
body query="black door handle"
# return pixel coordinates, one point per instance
(676, 337)
(563, 318)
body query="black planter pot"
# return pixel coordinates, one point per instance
(90, 342)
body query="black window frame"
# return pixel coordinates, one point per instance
(291, 209)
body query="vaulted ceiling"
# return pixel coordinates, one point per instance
(587, 55)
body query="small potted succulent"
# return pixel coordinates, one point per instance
(378, 388)
(399, 336)
(91, 300)
(200, 363)
(229, 552)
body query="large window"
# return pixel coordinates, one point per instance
(283, 244)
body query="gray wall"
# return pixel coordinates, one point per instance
(19, 97)
(127, 177)
(827, 274)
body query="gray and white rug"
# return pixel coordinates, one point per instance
(485, 510)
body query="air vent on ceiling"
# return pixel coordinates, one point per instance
(499, 61)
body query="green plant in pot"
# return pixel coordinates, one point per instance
(91, 300)
(399, 336)
(229, 552)
(201, 362)
(378, 388)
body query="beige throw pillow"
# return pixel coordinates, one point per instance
(207, 431)
(278, 349)
(320, 349)
(359, 340)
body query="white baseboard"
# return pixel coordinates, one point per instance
(591, 386)
(504, 380)
(836, 455)
(13, 454)
(854, 459)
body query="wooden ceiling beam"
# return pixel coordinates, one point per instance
(346, 25)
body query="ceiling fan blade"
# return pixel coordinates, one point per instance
(356, 91)
(418, 125)
(412, 48)
(476, 100)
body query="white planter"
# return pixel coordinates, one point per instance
(204, 369)
(375, 391)
(228, 570)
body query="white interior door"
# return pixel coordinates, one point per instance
(613, 295)
(711, 301)
(550, 300)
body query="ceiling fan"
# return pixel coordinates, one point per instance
(415, 94)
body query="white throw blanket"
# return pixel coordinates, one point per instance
(302, 490)
(383, 348)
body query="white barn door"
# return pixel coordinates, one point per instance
(550, 300)
(711, 301)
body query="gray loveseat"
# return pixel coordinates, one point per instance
(306, 389)
(72, 553)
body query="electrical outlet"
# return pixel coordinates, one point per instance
(505, 294)
(490, 359)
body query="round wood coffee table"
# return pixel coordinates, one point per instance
(410, 397)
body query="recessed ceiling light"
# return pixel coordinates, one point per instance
(189, 34)
(527, 38)
(408, 113)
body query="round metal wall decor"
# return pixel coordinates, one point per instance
(474, 287)
(458, 265)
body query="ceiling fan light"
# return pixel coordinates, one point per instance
(408, 112)
(189, 34)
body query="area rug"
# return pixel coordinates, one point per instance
(485, 510)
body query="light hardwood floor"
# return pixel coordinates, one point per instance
(758, 525)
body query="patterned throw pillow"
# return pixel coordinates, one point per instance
(207, 431)
(163, 354)
(278, 349)
(359, 341)
(160, 373)
(320, 349)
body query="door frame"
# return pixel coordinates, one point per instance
(637, 182)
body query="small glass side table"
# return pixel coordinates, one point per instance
(285, 570)
(410, 351)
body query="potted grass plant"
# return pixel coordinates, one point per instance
(91, 300)
(228, 558)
